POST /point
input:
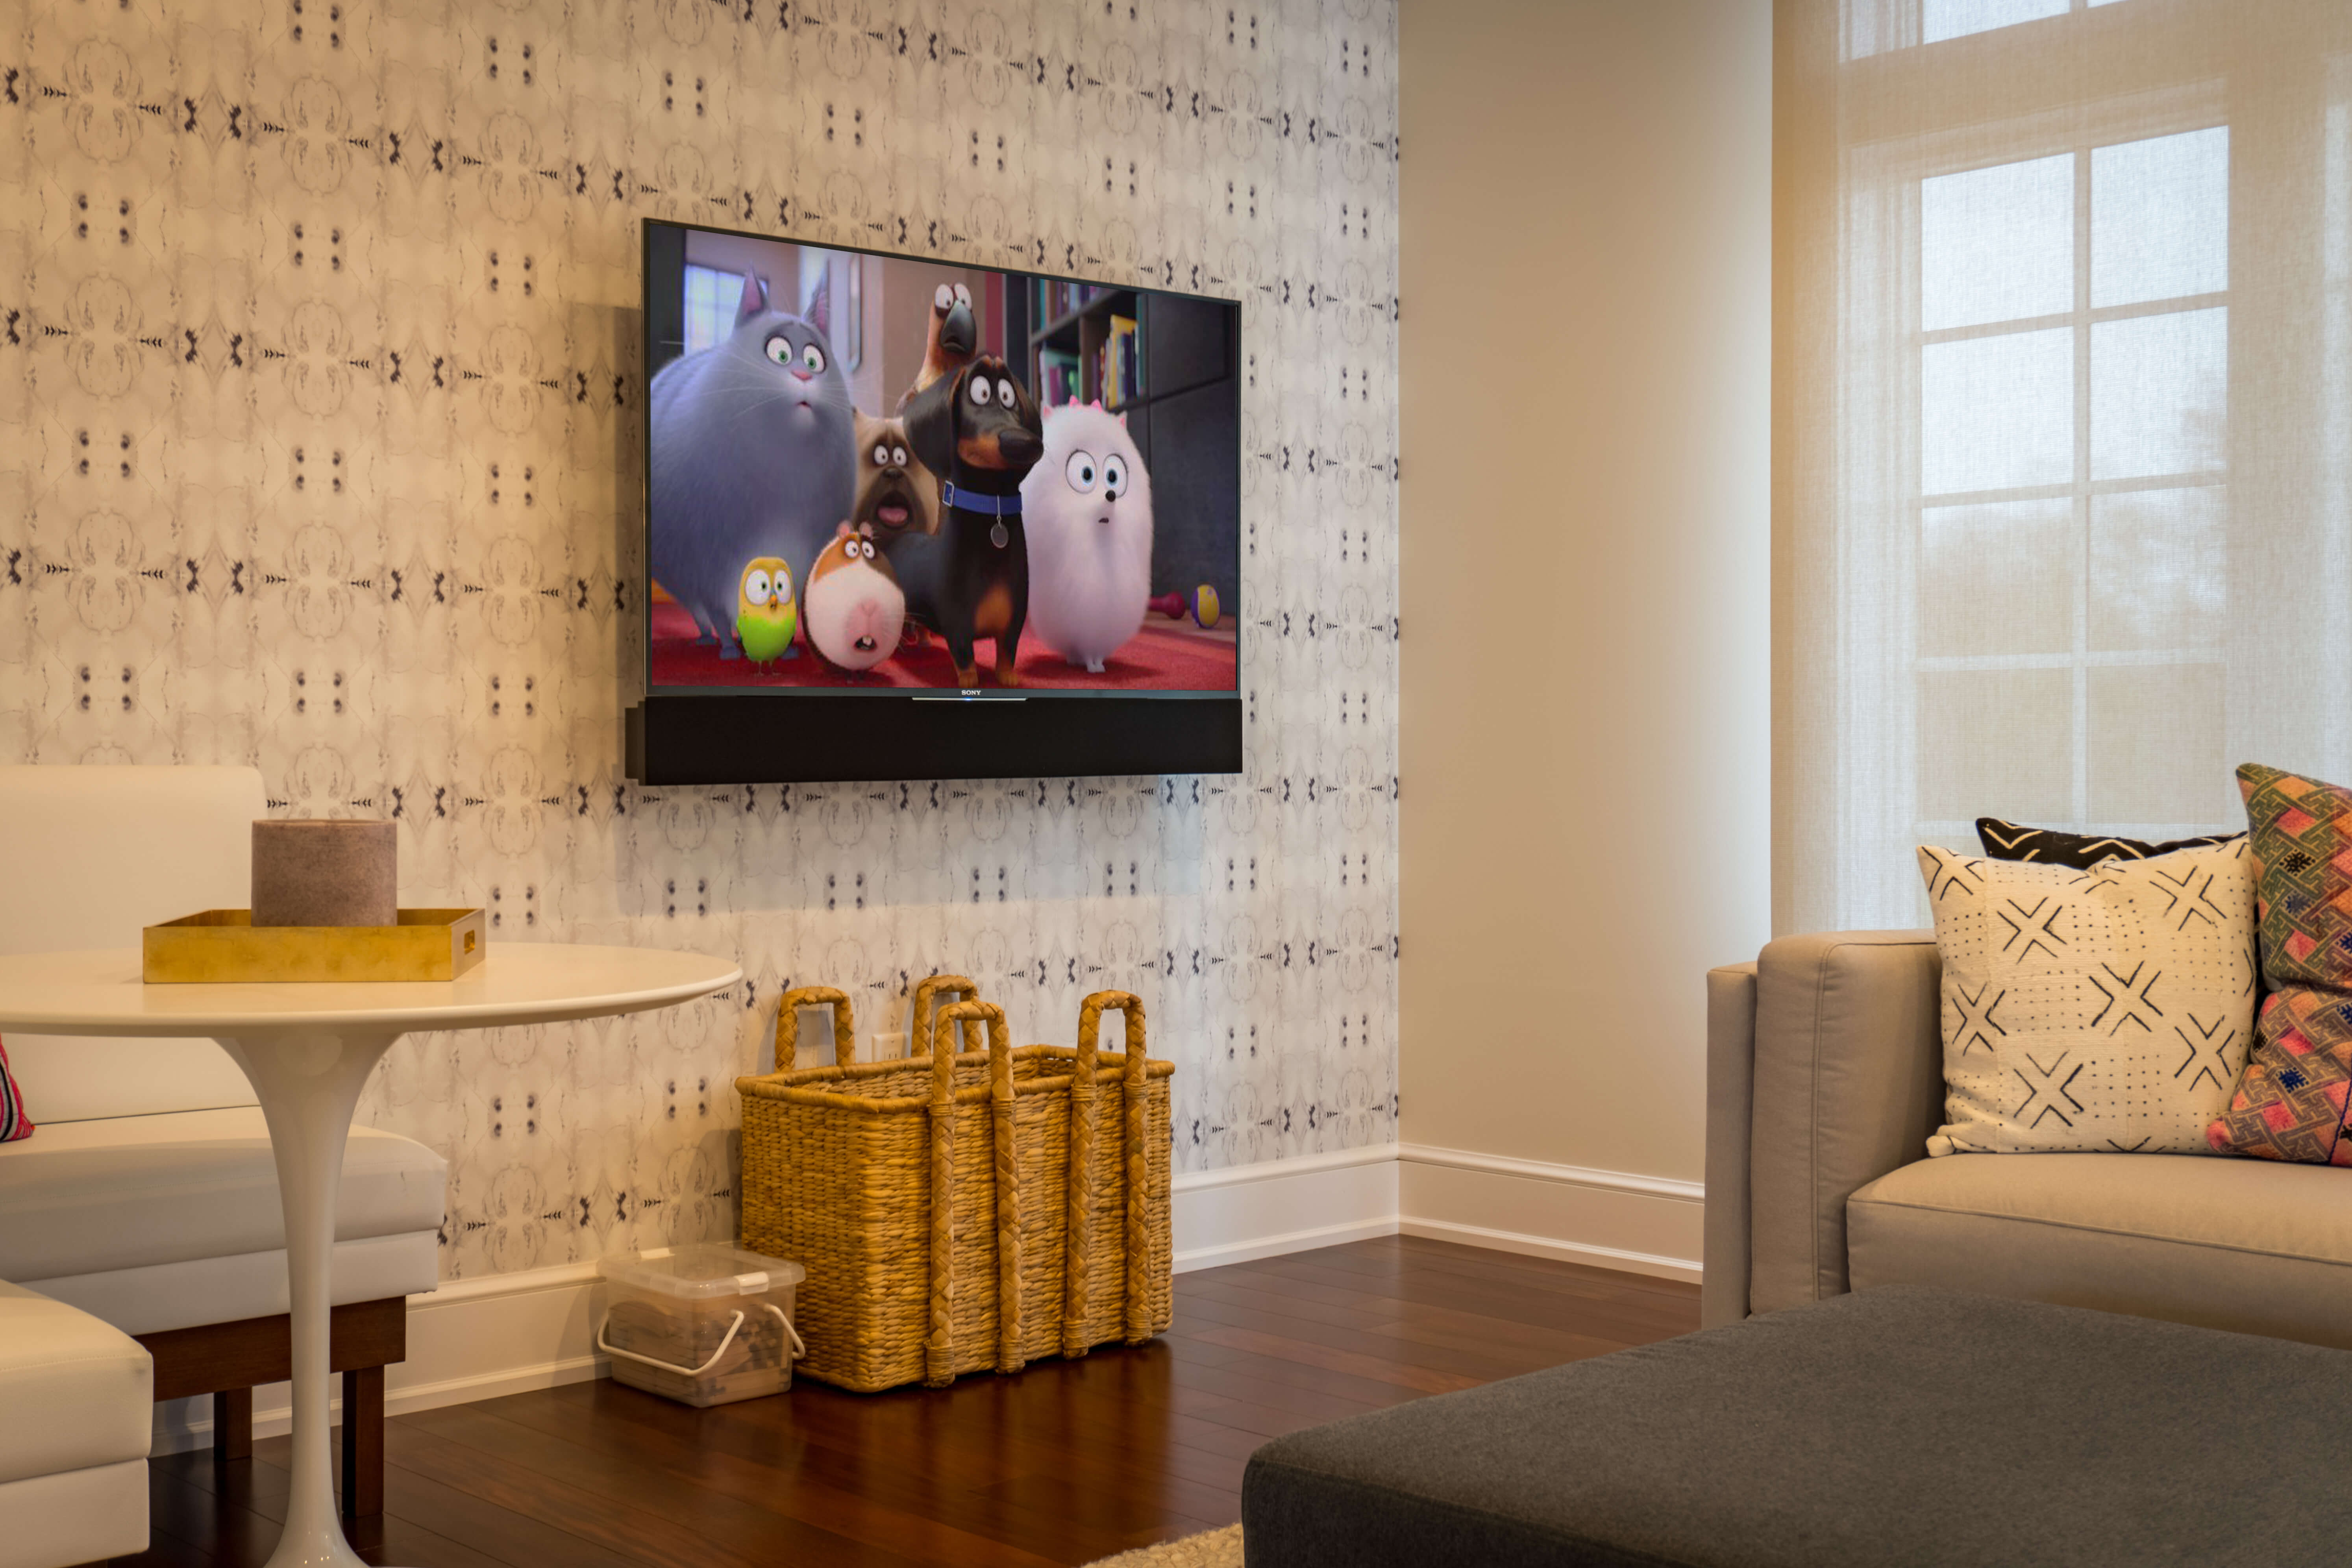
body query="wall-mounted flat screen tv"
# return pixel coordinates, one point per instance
(908, 520)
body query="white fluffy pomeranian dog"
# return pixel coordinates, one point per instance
(1086, 508)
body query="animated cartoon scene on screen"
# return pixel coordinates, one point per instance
(877, 472)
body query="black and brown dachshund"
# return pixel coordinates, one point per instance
(982, 430)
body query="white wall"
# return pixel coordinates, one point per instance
(1585, 224)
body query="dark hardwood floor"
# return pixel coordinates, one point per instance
(1064, 1463)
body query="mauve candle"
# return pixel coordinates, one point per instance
(326, 873)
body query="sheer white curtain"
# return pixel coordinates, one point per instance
(2062, 412)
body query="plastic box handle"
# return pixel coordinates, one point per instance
(604, 1344)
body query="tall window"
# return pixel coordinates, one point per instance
(2062, 451)
(2073, 355)
(1895, 24)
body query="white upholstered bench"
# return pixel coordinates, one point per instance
(73, 1443)
(148, 1194)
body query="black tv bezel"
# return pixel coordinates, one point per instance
(698, 736)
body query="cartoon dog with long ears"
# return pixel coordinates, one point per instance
(980, 429)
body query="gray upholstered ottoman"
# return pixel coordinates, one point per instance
(1901, 1426)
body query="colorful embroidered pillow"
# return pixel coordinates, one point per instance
(2050, 847)
(2289, 1103)
(14, 1122)
(2092, 1010)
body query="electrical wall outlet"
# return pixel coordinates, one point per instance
(815, 1049)
(883, 1046)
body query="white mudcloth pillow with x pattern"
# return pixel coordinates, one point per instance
(2107, 1009)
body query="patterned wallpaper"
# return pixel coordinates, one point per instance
(319, 451)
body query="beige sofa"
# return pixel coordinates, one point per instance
(1825, 1077)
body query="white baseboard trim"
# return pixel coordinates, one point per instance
(512, 1333)
(528, 1281)
(1543, 1171)
(1547, 1246)
(472, 1339)
(1611, 1219)
(480, 1339)
(1251, 1250)
(1296, 1165)
(276, 1418)
(1247, 1211)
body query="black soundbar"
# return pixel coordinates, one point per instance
(763, 738)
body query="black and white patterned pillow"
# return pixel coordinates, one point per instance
(2103, 1009)
(2049, 846)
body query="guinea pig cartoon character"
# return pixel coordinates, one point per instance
(750, 455)
(1088, 504)
(853, 604)
(896, 493)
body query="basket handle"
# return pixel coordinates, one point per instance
(956, 988)
(1090, 1031)
(788, 1023)
(939, 1346)
(1084, 1113)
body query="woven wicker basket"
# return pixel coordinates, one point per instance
(1118, 1282)
(931, 1198)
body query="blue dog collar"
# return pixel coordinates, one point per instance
(972, 500)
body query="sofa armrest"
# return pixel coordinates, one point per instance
(1730, 1115)
(1848, 1084)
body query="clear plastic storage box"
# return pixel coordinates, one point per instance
(703, 1324)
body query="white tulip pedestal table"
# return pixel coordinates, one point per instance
(308, 1050)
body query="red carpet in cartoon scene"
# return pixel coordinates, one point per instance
(1161, 656)
(871, 472)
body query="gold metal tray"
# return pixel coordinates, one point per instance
(224, 946)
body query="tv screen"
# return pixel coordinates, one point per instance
(877, 482)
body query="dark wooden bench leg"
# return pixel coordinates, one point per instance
(232, 1423)
(363, 1442)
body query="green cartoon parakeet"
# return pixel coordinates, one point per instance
(764, 611)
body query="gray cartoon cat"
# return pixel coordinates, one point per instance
(752, 455)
